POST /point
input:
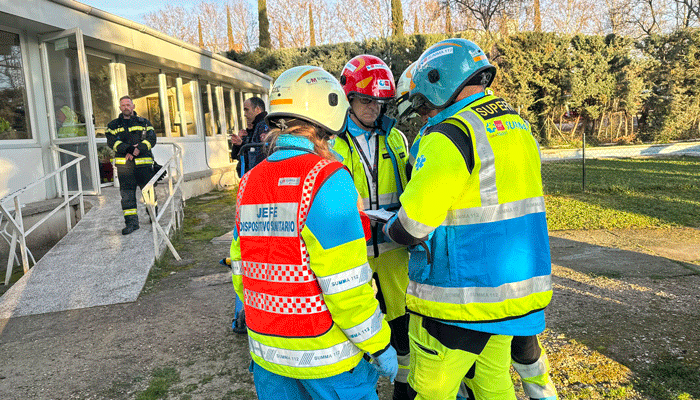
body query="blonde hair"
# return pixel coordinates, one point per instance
(303, 129)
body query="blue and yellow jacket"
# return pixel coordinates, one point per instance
(475, 200)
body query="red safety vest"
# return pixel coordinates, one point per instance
(281, 294)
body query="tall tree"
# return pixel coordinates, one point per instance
(184, 24)
(536, 15)
(689, 13)
(290, 21)
(280, 38)
(572, 16)
(396, 18)
(312, 31)
(416, 25)
(448, 20)
(199, 28)
(364, 19)
(484, 11)
(229, 29)
(263, 25)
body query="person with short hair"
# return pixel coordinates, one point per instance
(256, 129)
(131, 137)
(376, 154)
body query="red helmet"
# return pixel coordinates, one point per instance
(368, 76)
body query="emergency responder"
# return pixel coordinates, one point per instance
(132, 138)
(528, 356)
(474, 214)
(310, 312)
(375, 153)
(71, 125)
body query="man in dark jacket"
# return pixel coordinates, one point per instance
(254, 113)
(131, 137)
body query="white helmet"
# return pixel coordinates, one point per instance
(311, 94)
(403, 87)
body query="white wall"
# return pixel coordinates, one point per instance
(19, 168)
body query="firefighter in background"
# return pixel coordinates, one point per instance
(131, 137)
(480, 269)
(375, 153)
(528, 356)
(310, 313)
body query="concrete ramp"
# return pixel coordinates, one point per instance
(93, 265)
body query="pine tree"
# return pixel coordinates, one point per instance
(229, 29)
(448, 21)
(397, 17)
(416, 25)
(537, 16)
(279, 36)
(312, 31)
(264, 25)
(199, 28)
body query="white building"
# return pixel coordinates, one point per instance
(63, 67)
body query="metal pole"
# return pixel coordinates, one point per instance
(11, 258)
(583, 164)
(22, 239)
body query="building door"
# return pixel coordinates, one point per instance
(67, 84)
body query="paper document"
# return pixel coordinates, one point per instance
(380, 215)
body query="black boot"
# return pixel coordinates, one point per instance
(238, 324)
(400, 391)
(132, 224)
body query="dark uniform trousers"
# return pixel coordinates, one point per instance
(131, 176)
(124, 136)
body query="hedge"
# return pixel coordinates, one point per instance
(612, 88)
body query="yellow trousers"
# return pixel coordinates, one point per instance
(436, 371)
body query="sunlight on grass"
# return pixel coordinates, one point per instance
(623, 193)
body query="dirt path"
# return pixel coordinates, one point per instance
(626, 306)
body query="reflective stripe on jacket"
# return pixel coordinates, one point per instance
(124, 133)
(309, 308)
(390, 159)
(489, 246)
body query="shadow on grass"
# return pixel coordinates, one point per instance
(622, 304)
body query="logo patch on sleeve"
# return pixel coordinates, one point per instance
(289, 181)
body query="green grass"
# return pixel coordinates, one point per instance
(623, 193)
(158, 386)
(201, 223)
(671, 378)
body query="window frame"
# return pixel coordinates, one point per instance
(32, 122)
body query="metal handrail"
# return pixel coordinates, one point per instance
(16, 222)
(174, 163)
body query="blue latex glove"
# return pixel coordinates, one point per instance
(387, 364)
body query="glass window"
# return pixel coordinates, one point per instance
(239, 110)
(142, 82)
(229, 112)
(101, 86)
(215, 103)
(206, 108)
(14, 117)
(171, 83)
(189, 91)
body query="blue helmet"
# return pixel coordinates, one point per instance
(445, 69)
